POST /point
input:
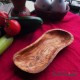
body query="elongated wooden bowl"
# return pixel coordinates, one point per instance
(37, 56)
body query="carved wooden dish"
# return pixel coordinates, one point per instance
(37, 56)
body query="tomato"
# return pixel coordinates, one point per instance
(12, 27)
(3, 16)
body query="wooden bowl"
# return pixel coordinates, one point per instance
(37, 56)
(50, 15)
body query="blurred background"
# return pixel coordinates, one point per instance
(5, 1)
(74, 5)
(8, 1)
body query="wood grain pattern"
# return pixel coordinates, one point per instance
(37, 56)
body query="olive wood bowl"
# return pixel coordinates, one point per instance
(38, 55)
